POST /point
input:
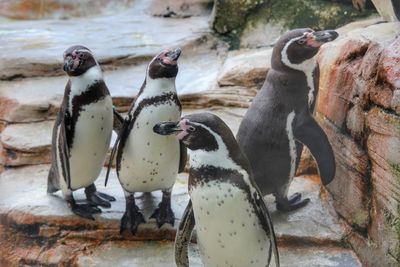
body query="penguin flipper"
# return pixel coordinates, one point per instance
(64, 154)
(183, 157)
(307, 131)
(266, 222)
(118, 121)
(183, 237)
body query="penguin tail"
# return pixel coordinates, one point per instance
(52, 180)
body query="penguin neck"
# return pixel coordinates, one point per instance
(81, 83)
(307, 67)
(159, 86)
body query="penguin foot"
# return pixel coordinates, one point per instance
(85, 210)
(106, 196)
(293, 204)
(95, 199)
(131, 220)
(294, 198)
(164, 214)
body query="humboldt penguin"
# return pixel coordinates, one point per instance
(279, 121)
(233, 225)
(81, 133)
(145, 161)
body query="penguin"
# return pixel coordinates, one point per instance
(145, 161)
(81, 133)
(233, 225)
(279, 121)
(389, 10)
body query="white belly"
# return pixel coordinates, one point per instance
(91, 142)
(150, 161)
(229, 232)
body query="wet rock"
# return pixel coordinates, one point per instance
(180, 8)
(350, 187)
(34, 48)
(355, 122)
(59, 9)
(247, 68)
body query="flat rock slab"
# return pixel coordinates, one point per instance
(24, 202)
(34, 48)
(30, 143)
(36, 99)
(160, 254)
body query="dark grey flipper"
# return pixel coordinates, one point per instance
(396, 8)
(96, 198)
(266, 222)
(132, 217)
(307, 131)
(164, 213)
(183, 157)
(183, 237)
(118, 121)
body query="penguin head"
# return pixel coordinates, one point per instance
(77, 60)
(164, 65)
(297, 46)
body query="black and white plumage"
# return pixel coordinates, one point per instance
(82, 132)
(146, 161)
(279, 121)
(233, 224)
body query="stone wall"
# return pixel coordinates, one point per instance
(359, 108)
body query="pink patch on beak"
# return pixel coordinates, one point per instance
(311, 41)
(184, 127)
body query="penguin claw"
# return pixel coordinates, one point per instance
(163, 214)
(131, 220)
(291, 205)
(95, 200)
(105, 196)
(85, 210)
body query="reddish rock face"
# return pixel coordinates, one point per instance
(359, 109)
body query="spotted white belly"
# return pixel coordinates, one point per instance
(228, 230)
(150, 161)
(91, 142)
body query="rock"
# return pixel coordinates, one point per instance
(247, 68)
(34, 48)
(384, 151)
(25, 144)
(37, 99)
(267, 22)
(58, 9)
(181, 8)
(352, 71)
(42, 230)
(349, 188)
(355, 122)
(307, 164)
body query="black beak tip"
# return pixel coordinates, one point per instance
(157, 128)
(65, 67)
(333, 34)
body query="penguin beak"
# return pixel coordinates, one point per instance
(174, 55)
(324, 36)
(167, 128)
(68, 64)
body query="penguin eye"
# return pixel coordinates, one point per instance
(301, 41)
(191, 129)
(81, 56)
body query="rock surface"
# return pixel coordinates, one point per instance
(359, 109)
(46, 221)
(34, 48)
(180, 8)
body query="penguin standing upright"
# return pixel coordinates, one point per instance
(146, 161)
(279, 120)
(81, 133)
(232, 222)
